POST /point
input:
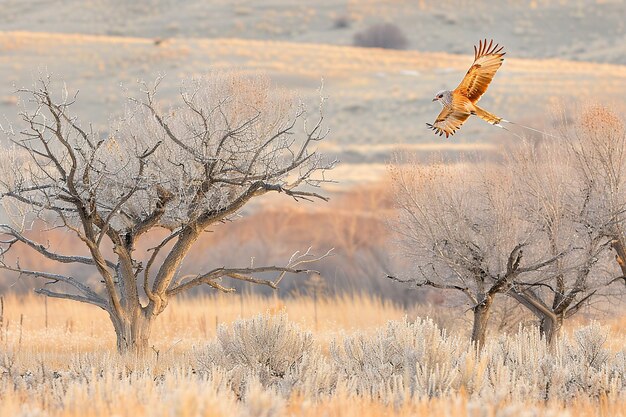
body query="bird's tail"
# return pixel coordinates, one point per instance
(486, 116)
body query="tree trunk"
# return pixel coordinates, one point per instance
(133, 332)
(550, 327)
(481, 318)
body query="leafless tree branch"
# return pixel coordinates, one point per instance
(183, 170)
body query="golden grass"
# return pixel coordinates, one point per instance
(184, 324)
(458, 406)
(109, 397)
(78, 338)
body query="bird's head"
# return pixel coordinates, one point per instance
(444, 97)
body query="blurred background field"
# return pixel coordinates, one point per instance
(33, 326)
(378, 99)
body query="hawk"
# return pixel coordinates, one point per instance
(460, 103)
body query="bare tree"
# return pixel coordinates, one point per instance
(550, 196)
(184, 169)
(462, 231)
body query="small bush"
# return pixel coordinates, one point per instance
(588, 348)
(341, 22)
(384, 35)
(403, 355)
(271, 350)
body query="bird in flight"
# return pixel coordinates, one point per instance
(459, 104)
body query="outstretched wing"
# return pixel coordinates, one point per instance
(487, 60)
(449, 120)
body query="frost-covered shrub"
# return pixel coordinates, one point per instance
(265, 344)
(404, 357)
(405, 361)
(260, 365)
(262, 401)
(523, 366)
(588, 347)
(591, 368)
(272, 350)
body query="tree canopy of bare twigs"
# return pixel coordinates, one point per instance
(550, 195)
(559, 203)
(232, 138)
(459, 228)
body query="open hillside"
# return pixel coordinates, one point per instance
(379, 100)
(588, 30)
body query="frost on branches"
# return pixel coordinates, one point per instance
(230, 139)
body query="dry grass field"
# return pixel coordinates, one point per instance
(58, 359)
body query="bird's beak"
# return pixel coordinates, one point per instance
(435, 99)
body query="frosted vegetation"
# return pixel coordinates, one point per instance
(408, 359)
(180, 170)
(255, 365)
